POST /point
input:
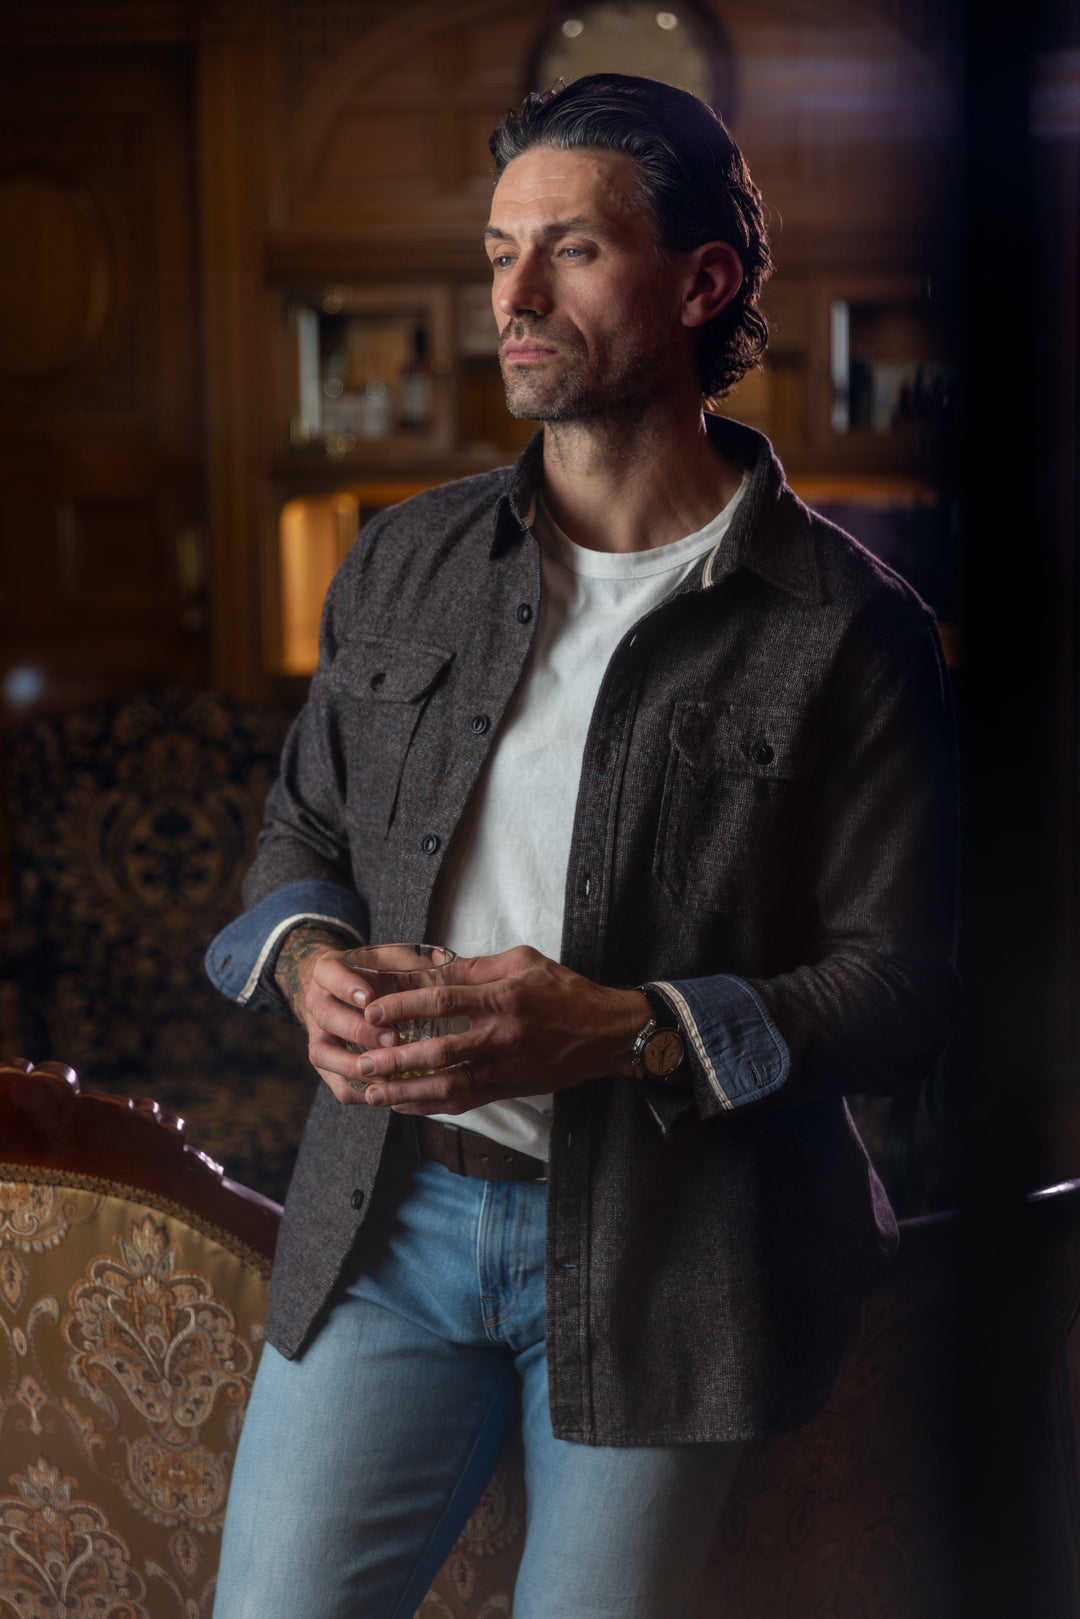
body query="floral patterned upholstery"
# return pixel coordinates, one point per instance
(131, 827)
(133, 1286)
(128, 1341)
(128, 1344)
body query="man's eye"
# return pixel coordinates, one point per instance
(501, 261)
(574, 252)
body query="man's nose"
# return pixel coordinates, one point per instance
(524, 289)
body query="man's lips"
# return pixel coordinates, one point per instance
(520, 352)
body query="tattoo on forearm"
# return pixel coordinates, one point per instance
(302, 942)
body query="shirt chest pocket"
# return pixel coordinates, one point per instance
(732, 803)
(382, 686)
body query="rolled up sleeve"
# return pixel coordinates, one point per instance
(240, 961)
(869, 1002)
(735, 1054)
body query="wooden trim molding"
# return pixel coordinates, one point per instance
(231, 190)
(50, 1128)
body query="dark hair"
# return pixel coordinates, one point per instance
(694, 184)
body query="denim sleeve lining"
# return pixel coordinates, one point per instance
(687, 1022)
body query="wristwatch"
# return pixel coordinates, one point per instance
(659, 1049)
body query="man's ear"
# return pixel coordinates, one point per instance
(715, 277)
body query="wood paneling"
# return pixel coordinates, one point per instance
(371, 155)
(55, 290)
(232, 117)
(99, 409)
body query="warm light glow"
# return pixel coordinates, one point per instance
(629, 36)
(314, 535)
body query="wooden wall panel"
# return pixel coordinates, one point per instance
(379, 154)
(99, 410)
(844, 115)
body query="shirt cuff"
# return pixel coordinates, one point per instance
(243, 954)
(736, 1053)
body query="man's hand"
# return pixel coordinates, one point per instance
(328, 1000)
(533, 1027)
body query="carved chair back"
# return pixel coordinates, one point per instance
(133, 1286)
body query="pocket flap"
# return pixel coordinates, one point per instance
(386, 669)
(745, 741)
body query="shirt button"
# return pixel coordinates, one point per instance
(357, 1199)
(430, 844)
(480, 723)
(524, 613)
(586, 886)
(764, 754)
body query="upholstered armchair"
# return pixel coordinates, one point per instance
(133, 1285)
(132, 1293)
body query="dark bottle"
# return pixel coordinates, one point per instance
(416, 386)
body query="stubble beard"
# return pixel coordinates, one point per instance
(572, 391)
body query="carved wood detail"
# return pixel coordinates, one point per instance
(61, 278)
(48, 1123)
(314, 34)
(845, 117)
(427, 58)
(98, 163)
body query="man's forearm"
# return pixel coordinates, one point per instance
(300, 945)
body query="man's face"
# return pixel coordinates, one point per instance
(588, 315)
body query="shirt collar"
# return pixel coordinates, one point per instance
(770, 533)
(516, 509)
(771, 530)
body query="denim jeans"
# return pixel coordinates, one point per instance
(360, 1462)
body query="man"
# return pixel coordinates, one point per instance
(665, 758)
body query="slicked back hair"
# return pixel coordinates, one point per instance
(693, 183)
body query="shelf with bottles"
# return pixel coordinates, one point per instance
(367, 371)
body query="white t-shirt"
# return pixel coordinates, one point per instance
(504, 877)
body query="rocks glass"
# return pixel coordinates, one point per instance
(394, 969)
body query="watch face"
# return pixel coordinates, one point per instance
(663, 1054)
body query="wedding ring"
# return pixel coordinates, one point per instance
(360, 1085)
(470, 1076)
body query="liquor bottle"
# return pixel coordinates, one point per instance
(374, 413)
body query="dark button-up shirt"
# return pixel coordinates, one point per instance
(763, 827)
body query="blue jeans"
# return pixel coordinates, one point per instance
(360, 1462)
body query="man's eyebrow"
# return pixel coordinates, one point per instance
(558, 227)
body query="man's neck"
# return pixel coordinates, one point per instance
(613, 489)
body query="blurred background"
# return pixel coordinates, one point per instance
(244, 305)
(244, 302)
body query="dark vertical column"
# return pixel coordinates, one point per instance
(232, 136)
(1018, 615)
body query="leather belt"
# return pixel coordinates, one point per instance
(466, 1153)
